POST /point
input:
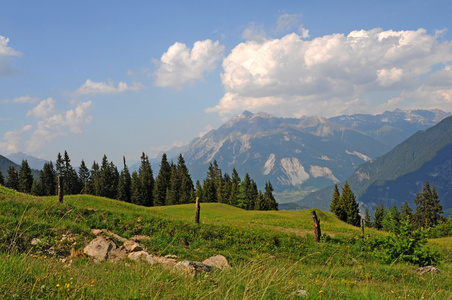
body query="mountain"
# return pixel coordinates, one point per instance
(398, 175)
(299, 155)
(5, 163)
(33, 162)
(392, 127)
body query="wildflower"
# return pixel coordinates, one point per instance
(321, 291)
(57, 285)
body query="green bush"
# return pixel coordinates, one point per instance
(407, 246)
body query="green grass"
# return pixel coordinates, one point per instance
(273, 254)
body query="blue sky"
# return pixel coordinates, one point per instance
(119, 78)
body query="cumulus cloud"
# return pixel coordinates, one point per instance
(11, 139)
(91, 87)
(332, 74)
(52, 125)
(6, 53)
(181, 65)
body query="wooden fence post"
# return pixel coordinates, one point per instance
(60, 189)
(317, 232)
(198, 208)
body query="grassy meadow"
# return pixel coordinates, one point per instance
(273, 254)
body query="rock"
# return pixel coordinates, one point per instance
(217, 261)
(142, 256)
(428, 269)
(137, 238)
(192, 267)
(165, 262)
(132, 246)
(117, 254)
(99, 248)
(96, 231)
(35, 241)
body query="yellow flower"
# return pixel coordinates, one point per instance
(320, 291)
(58, 285)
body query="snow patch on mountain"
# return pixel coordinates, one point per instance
(360, 155)
(317, 171)
(269, 164)
(294, 172)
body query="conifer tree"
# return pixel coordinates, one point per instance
(244, 197)
(199, 191)
(94, 181)
(351, 205)
(337, 205)
(162, 182)
(429, 211)
(36, 188)
(147, 181)
(391, 220)
(13, 178)
(406, 212)
(269, 199)
(136, 189)
(83, 175)
(378, 216)
(25, 178)
(233, 194)
(174, 190)
(186, 183)
(48, 179)
(225, 189)
(235, 178)
(2, 180)
(259, 203)
(367, 218)
(125, 184)
(108, 179)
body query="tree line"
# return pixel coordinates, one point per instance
(428, 212)
(173, 184)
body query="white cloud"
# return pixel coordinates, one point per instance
(43, 109)
(25, 99)
(289, 22)
(12, 139)
(331, 75)
(52, 126)
(180, 65)
(254, 32)
(5, 57)
(91, 87)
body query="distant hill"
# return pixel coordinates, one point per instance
(398, 175)
(300, 155)
(5, 164)
(33, 162)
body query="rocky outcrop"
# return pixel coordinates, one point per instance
(103, 248)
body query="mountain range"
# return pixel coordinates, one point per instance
(397, 176)
(301, 155)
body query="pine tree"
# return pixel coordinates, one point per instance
(83, 175)
(337, 206)
(136, 193)
(173, 192)
(235, 178)
(391, 220)
(259, 203)
(186, 183)
(406, 213)
(367, 218)
(428, 208)
(147, 181)
(199, 193)
(351, 205)
(13, 178)
(2, 180)
(210, 183)
(162, 182)
(36, 188)
(108, 179)
(225, 189)
(232, 200)
(48, 179)
(125, 184)
(94, 180)
(244, 197)
(378, 216)
(269, 199)
(25, 178)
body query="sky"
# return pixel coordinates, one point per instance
(124, 77)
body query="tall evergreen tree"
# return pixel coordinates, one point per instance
(83, 175)
(235, 178)
(136, 189)
(351, 205)
(245, 193)
(2, 180)
(199, 191)
(379, 213)
(147, 180)
(259, 203)
(429, 211)
(225, 189)
(108, 179)
(48, 179)
(269, 199)
(162, 182)
(406, 212)
(125, 184)
(13, 178)
(337, 205)
(174, 190)
(186, 183)
(36, 188)
(25, 178)
(367, 218)
(94, 180)
(233, 194)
